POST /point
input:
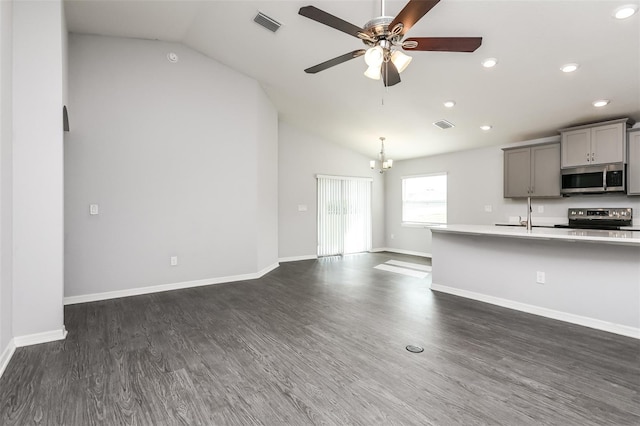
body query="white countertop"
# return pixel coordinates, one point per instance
(631, 238)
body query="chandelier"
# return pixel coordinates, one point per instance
(384, 163)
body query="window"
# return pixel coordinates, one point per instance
(424, 199)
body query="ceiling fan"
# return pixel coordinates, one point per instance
(384, 36)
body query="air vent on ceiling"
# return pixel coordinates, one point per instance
(267, 22)
(443, 124)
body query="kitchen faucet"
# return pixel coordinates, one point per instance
(527, 222)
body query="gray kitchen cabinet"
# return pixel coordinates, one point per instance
(633, 166)
(594, 144)
(532, 171)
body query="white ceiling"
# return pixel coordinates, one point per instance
(525, 96)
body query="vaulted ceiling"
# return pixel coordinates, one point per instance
(525, 96)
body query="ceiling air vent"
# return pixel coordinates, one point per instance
(267, 22)
(443, 124)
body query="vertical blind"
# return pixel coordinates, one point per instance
(344, 215)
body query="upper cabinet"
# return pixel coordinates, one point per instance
(633, 167)
(532, 171)
(594, 144)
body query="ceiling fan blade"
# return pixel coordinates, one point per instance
(335, 61)
(446, 44)
(323, 17)
(390, 74)
(412, 12)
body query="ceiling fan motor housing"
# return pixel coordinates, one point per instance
(378, 28)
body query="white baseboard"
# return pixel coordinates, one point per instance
(94, 297)
(297, 258)
(610, 327)
(401, 251)
(6, 356)
(37, 338)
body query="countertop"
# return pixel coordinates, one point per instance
(631, 238)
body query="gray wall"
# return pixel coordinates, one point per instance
(597, 285)
(301, 157)
(6, 179)
(475, 181)
(180, 159)
(37, 167)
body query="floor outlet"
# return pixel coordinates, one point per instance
(174, 260)
(540, 277)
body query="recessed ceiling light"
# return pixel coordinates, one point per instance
(449, 104)
(569, 67)
(600, 103)
(486, 127)
(623, 12)
(489, 62)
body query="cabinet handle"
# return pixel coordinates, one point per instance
(587, 157)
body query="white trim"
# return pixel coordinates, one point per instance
(623, 330)
(400, 251)
(37, 338)
(6, 356)
(425, 175)
(344, 177)
(266, 270)
(297, 258)
(94, 297)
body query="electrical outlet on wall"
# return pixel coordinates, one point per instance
(174, 260)
(540, 209)
(488, 208)
(540, 278)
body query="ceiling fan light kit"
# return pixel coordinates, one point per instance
(384, 36)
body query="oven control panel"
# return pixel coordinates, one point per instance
(613, 213)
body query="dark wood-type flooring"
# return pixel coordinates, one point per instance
(320, 342)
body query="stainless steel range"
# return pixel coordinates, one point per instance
(599, 218)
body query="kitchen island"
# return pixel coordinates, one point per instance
(586, 277)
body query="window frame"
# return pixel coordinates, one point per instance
(402, 200)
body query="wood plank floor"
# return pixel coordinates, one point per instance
(320, 342)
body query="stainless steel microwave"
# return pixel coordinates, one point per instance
(594, 179)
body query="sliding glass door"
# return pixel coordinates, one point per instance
(344, 215)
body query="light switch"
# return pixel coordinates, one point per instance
(488, 208)
(302, 207)
(93, 209)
